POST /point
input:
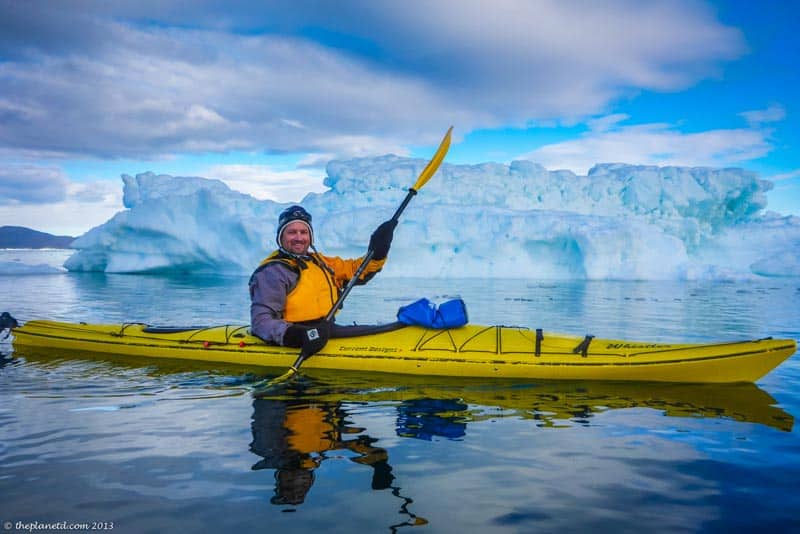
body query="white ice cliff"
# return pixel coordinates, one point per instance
(489, 220)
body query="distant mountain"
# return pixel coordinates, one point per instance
(21, 237)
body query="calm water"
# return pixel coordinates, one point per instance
(155, 447)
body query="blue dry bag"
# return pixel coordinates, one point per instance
(423, 312)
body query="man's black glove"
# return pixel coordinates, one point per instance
(311, 337)
(381, 239)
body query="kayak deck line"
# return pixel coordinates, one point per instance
(468, 351)
(653, 348)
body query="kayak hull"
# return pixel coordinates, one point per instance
(469, 351)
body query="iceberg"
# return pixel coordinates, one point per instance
(620, 221)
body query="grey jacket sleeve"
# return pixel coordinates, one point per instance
(268, 290)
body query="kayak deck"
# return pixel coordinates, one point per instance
(468, 351)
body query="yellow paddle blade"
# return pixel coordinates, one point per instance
(433, 165)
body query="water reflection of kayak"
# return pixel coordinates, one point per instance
(468, 351)
(548, 402)
(297, 429)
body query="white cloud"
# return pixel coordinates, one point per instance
(785, 176)
(606, 123)
(653, 144)
(84, 205)
(32, 184)
(774, 113)
(235, 99)
(398, 71)
(264, 182)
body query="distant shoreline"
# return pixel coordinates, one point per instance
(20, 237)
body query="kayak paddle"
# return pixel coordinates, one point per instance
(426, 174)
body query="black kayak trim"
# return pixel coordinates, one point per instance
(337, 331)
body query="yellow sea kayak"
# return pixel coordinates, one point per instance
(468, 351)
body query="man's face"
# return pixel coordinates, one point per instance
(296, 238)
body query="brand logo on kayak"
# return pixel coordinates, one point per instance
(635, 346)
(368, 349)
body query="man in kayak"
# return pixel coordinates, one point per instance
(295, 287)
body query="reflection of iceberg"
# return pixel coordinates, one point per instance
(13, 268)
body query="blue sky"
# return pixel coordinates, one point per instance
(263, 94)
